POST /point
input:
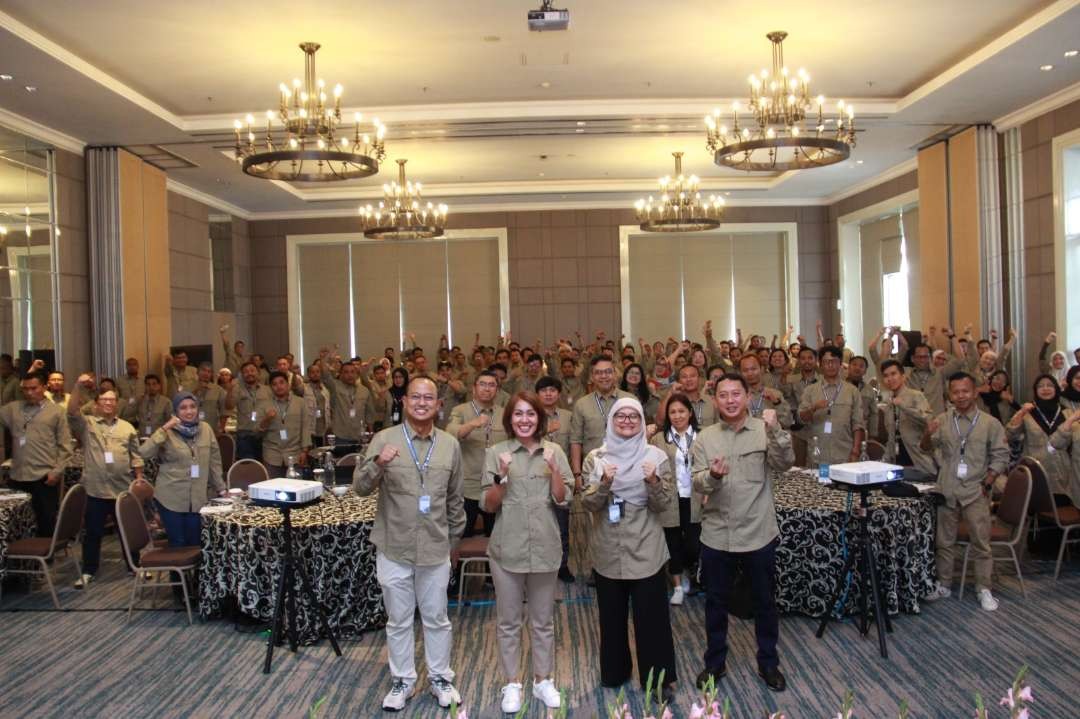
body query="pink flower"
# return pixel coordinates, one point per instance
(1025, 694)
(697, 712)
(667, 714)
(461, 714)
(1023, 714)
(1008, 700)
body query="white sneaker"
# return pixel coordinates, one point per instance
(444, 692)
(400, 692)
(676, 596)
(987, 601)
(546, 692)
(511, 698)
(83, 581)
(940, 592)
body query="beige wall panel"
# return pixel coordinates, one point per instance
(931, 274)
(964, 218)
(134, 259)
(156, 242)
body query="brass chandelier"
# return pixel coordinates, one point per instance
(680, 207)
(304, 140)
(784, 129)
(402, 214)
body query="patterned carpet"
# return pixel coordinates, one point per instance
(87, 661)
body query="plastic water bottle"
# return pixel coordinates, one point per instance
(815, 461)
(291, 472)
(863, 456)
(330, 468)
(330, 440)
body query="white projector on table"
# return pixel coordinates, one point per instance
(865, 473)
(285, 491)
(548, 18)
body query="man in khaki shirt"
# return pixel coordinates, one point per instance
(317, 399)
(691, 383)
(351, 403)
(153, 410)
(973, 452)
(211, 399)
(797, 382)
(245, 398)
(856, 376)
(54, 387)
(285, 425)
(760, 396)
(40, 451)
(110, 458)
(573, 387)
(9, 379)
(588, 422)
(731, 462)
(832, 409)
(234, 353)
(905, 416)
(931, 380)
(417, 471)
(477, 425)
(549, 389)
(131, 388)
(179, 375)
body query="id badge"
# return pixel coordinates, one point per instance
(425, 504)
(828, 426)
(318, 413)
(131, 400)
(962, 470)
(284, 434)
(352, 411)
(146, 430)
(1050, 449)
(202, 416)
(614, 512)
(22, 441)
(108, 458)
(254, 414)
(194, 471)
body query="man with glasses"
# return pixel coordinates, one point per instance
(417, 471)
(690, 382)
(931, 380)
(477, 425)
(588, 423)
(833, 410)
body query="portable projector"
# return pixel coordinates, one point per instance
(285, 491)
(548, 18)
(865, 473)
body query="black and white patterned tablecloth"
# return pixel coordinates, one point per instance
(241, 563)
(17, 521)
(810, 558)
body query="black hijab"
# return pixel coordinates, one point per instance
(991, 399)
(1048, 413)
(1070, 393)
(398, 392)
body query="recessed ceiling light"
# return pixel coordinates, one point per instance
(579, 130)
(1071, 53)
(545, 84)
(7, 78)
(1046, 68)
(30, 88)
(581, 123)
(858, 162)
(539, 174)
(728, 194)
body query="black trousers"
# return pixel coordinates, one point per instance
(45, 501)
(718, 575)
(652, 629)
(562, 516)
(472, 508)
(683, 542)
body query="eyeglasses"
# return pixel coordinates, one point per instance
(604, 372)
(627, 417)
(422, 398)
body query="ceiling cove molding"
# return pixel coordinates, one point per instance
(891, 174)
(1061, 98)
(1044, 17)
(45, 134)
(199, 196)
(59, 53)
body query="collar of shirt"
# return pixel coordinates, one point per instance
(727, 427)
(516, 445)
(414, 434)
(969, 415)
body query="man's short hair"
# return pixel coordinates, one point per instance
(960, 377)
(275, 374)
(830, 351)
(733, 377)
(548, 381)
(598, 359)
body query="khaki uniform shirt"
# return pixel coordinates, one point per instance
(845, 417)
(130, 390)
(211, 405)
(60, 399)
(573, 389)
(588, 423)
(526, 535)
(381, 399)
(870, 410)
(232, 360)
(1062, 441)
(1037, 444)
(793, 392)
(152, 412)
(40, 438)
(910, 417)
(401, 531)
(317, 399)
(288, 433)
(448, 399)
(176, 485)
(634, 547)
(560, 435)
(670, 517)
(759, 403)
(353, 408)
(9, 388)
(177, 380)
(248, 401)
(476, 443)
(932, 382)
(110, 453)
(985, 450)
(739, 515)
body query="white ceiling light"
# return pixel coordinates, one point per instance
(1071, 53)
(7, 78)
(1046, 68)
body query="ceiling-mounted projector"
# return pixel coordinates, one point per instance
(548, 18)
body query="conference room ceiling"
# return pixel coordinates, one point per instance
(491, 115)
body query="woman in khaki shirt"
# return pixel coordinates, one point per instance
(189, 464)
(628, 489)
(1034, 424)
(523, 478)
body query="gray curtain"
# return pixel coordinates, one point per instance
(106, 289)
(990, 248)
(1014, 227)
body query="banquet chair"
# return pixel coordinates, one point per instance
(144, 492)
(1067, 519)
(227, 445)
(42, 549)
(246, 472)
(1013, 511)
(345, 466)
(470, 551)
(349, 460)
(875, 450)
(129, 518)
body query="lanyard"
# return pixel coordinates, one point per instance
(832, 400)
(1049, 423)
(755, 407)
(420, 468)
(487, 427)
(600, 405)
(282, 413)
(28, 418)
(678, 445)
(964, 437)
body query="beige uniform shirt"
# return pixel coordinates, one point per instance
(110, 452)
(317, 399)
(793, 392)
(835, 426)
(634, 547)
(288, 433)
(910, 417)
(526, 535)
(870, 410)
(232, 360)
(985, 450)
(402, 532)
(932, 382)
(558, 429)
(177, 380)
(1064, 441)
(9, 388)
(40, 438)
(60, 399)
(352, 406)
(759, 403)
(588, 423)
(187, 468)
(152, 412)
(1037, 444)
(670, 517)
(573, 389)
(475, 445)
(739, 515)
(248, 401)
(211, 405)
(130, 390)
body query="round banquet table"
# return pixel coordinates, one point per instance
(810, 557)
(17, 521)
(241, 563)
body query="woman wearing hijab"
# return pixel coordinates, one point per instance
(634, 382)
(1058, 366)
(682, 518)
(189, 463)
(997, 398)
(1070, 396)
(399, 381)
(628, 489)
(524, 479)
(1035, 422)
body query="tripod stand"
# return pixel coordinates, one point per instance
(286, 594)
(862, 550)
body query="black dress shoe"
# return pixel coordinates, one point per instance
(565, 575)
(715, 674)
(773, 679)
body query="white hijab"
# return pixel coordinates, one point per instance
(627, 454)
(1059, 374)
